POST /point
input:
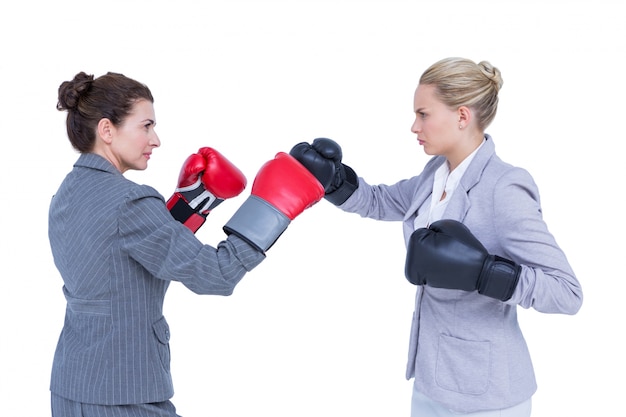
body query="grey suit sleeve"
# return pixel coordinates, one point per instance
(170, 251)
(381, 202)
(547, 282)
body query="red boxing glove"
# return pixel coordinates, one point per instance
(287, 185)
(282, 189)
(206, 179)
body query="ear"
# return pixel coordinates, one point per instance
(465, 116)
(105, 130)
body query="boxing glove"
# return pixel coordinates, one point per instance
(206, 179)
(448, 255)
(323, 159)
(282, 190)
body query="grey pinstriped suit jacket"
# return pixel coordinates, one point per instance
(466, 350)
(117, 248)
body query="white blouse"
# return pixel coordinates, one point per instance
(445, 181)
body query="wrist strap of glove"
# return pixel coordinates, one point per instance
(499, 278)
(344, 191)
(258, 223)
(181, 211)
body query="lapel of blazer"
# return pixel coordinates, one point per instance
(424, 187)
(460, 203)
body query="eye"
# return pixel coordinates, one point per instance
(421, 114)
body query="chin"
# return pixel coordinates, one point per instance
(140, 167)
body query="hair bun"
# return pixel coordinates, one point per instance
(492, 73)
(71, 91)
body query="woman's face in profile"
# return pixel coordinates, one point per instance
(435, 125)
(133, 141)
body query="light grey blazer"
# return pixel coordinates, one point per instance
(466, 350)
(117, 248)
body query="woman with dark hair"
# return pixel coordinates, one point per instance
(118, 245)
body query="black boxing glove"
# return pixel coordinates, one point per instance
(323, 159)
(448, 255)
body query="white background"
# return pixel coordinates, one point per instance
(321, 327)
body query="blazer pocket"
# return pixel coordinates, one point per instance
(463, 365)
(162, 332)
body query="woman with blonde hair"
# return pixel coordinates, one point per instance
(477, 247)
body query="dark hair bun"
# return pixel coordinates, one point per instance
(70, 91)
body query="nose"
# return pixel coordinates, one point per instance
(415, 128)
(155, 141)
